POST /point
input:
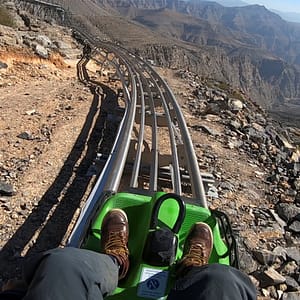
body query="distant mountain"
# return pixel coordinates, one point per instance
(248, 47)
(256, 41)
(288, 16)
(231, 3)
(257, 27)
(250, 26)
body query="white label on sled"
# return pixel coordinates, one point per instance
(153, 283)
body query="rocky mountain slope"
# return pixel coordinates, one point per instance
(249, 47)
(287, 15)
(250, 26)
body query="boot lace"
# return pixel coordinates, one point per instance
(116, 244)
(195, 256)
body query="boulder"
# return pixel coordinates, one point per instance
(294, 226)
(265, 257)
(284, 142)
(291, 283)
(43, 41)
(287, 211)
(258, 127)
(62, 45)
(41, 51)
(6, 189)
(247, 263)
(3, 65)
(26, 135)
(235, 105)
(294, 254)
(291, 296)
(289, 268)
(205, 129)
(25, 18)
(270, 277)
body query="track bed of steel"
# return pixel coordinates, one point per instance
(152, 149)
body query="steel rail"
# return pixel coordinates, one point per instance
(154, 142)
(110, 176)
(122, 145)
(93, 201)
(130, 70)
(176, 180)
(112, 173)
(153, 182)
(197, 186)
(137, 162)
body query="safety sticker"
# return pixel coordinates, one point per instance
(153, 283)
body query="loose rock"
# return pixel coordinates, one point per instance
(26, 135)
(6, 189)
(270, 277)
(3, 65)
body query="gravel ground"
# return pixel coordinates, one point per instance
(43, 153)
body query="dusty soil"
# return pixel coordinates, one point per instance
(50, 128)
(44, 123)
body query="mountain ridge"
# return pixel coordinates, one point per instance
(254, 25)
(209, 39)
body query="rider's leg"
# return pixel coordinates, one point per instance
(214, 282)
(70, 274)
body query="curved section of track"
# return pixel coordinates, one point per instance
(153, 141)
(153, 148)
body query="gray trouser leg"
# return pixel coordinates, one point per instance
(70, 274)
(214, 282)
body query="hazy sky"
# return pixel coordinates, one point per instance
(283, 5)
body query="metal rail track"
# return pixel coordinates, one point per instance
(145, 93)
(149, 102)
(180, 140)
(152, 112)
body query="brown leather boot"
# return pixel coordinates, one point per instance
(197, 248)
(114, 238)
